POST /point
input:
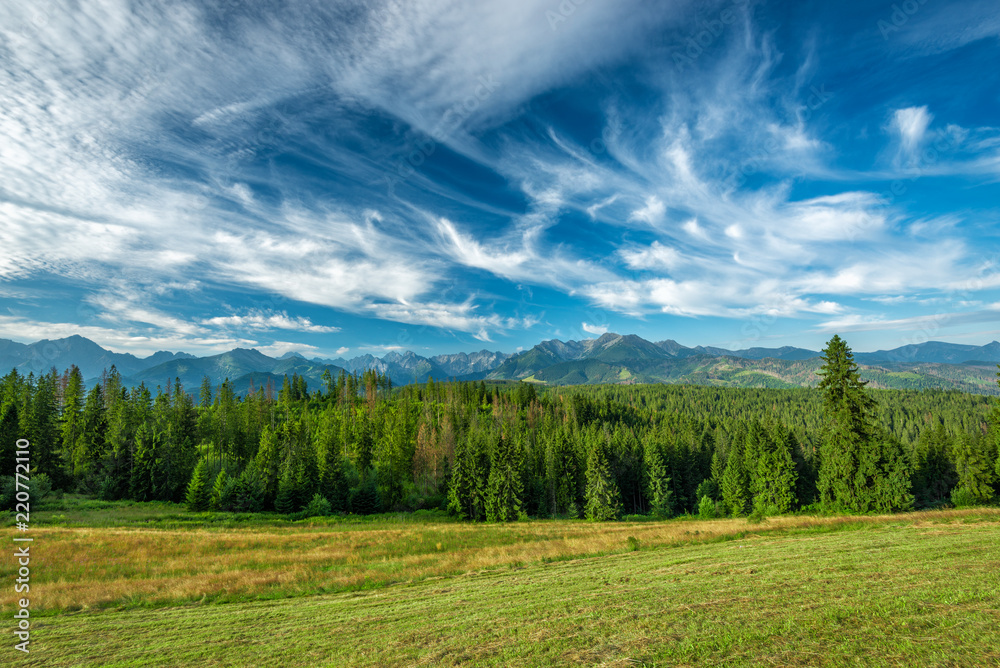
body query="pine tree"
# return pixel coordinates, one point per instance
(736, 494)
(658, 477)
(9, 433)
(90, 444)
(72, 417)
(205, 394)
(141, 483)
(934, 474)
(287, 500)
(333, 484)
(861, 469)
(603, 499)
(466, 493)
(199, 492)
(268, 465)
(562, 471)
(218, 499)
(504, 489)
(773, 479)
(975, 475)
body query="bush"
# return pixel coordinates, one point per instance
(633, 544)
(365, 499)
(706, 508)
(317, 507)
(709, 488)
(962, 497)
(39, 486)
(7, 491)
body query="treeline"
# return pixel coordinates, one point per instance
(501, 452)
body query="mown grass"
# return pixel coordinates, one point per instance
(908, 590)
(153, 555)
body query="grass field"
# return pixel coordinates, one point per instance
(154, 588)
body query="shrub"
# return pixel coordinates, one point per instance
(706, 508)
(962, 497)
(317, 507)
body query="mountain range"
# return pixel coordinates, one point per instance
(611, 358)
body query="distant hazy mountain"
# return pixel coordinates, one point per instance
(241, 366)
(41, 356)
(463, 364)
(408, 367)
(610, 358)
(614, 358)
(935, 351)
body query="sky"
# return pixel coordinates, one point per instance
(339, 178)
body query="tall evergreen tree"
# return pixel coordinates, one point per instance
(199, 490)
(466, 490)
(861, 468)
(773, 479)
(736, 495)
(72, 417)
(974, 471)
(658, 477)
(504, 489)
(934, 474)
(562, 475)
(9, 433)
(603, 499)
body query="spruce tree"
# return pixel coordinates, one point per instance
(975, 474)
(773, 479)
(199, 491)
(562, 473)
(736, 495)
(603, 499)
(861, 469)
(466, 493)
(658, 477)
(9, 433)
(503, 495)
(934, 474)
(219, 488)
(288, 500)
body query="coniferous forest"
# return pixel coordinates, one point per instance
(500, 452)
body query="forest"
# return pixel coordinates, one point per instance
(506, 451)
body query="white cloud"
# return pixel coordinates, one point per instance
(654, 256)
(594, 329)
(911, 125)
(343, 350)
(651, 213)
(929, 324)
(267, 321)
(279, 348)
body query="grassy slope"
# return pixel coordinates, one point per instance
(918, 589)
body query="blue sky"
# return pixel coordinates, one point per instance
(341, 178)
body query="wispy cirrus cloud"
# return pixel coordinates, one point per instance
(418, 163)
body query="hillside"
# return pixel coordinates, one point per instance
(629, 359)
(610, 358)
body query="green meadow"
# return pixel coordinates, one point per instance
(150, 585)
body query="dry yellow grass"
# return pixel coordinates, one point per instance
(80, 568)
